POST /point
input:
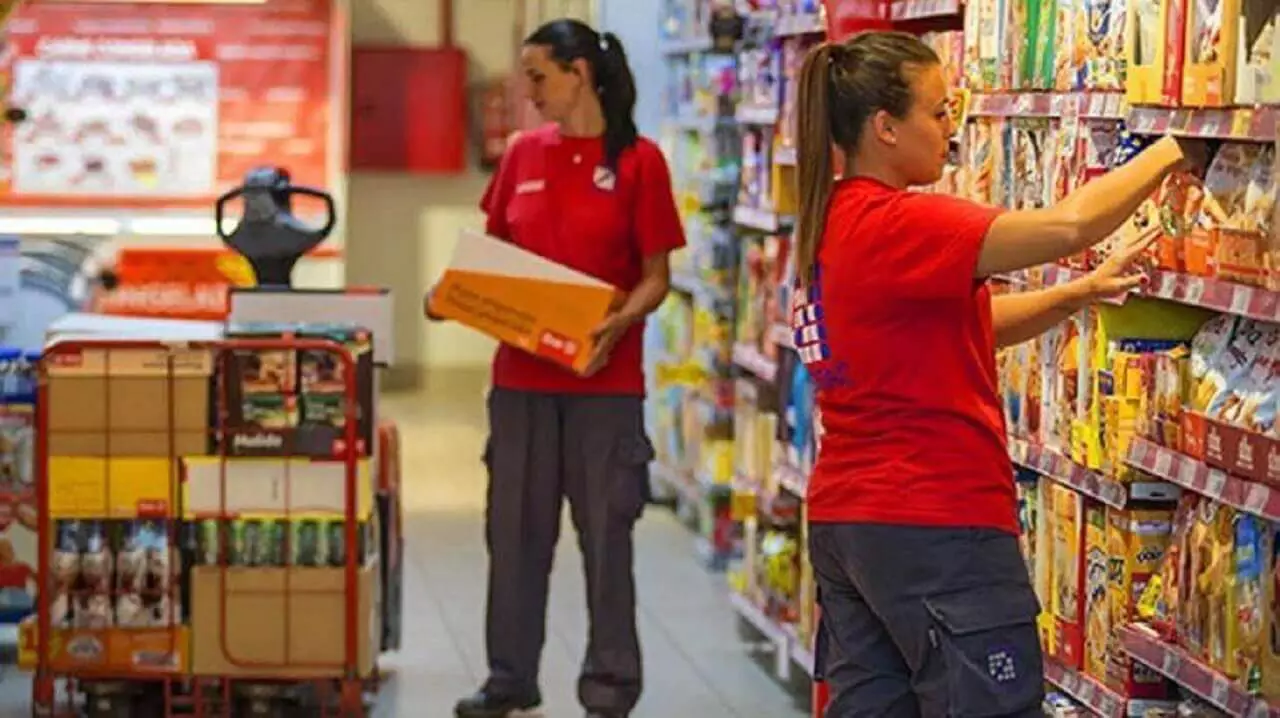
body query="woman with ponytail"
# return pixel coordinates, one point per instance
(588, 192)
(927, 609)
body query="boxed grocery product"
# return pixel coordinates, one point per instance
(1019, 43)
(522, 299)
(261, 621)
(96, 405)
(1145, 51)
(990, 38)
(1104, 44)
(1162, 601)
(216, 487)
(1218, 584)
(1200, 629)
(1209, 70)
(1246, 230)
(1137, 540)
(1043, 573)
(1069, 577)
(1097, 614)
(1269, 646)
(1226, 188)
(1257, 59)
(1176, 28)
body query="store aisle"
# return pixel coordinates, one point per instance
(698, 662)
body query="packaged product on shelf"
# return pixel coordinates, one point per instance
(1104, 47)
(980, 156)
(1161, 415)
(1209, 70)
(1097, 614)
(990, 38)
(1045, 570)
(1217, 584)
(760, 76)
(1198, 625)
(1269, 661)
(1137, 539)
(972, 67)
(1251, 402)
(1042, 44)
(1231, 373)
(1032, 139)
(1257, 79)
(1249, 587)
(1145, 51)
(65, 566)
(1069, 578)
(1177, 205)
(1069, 39)
(1226, 187)
(1161, 603)
(1245, 234)
(1019, 45)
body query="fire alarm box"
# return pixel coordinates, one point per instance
(409, 109)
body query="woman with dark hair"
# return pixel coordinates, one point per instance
(927, 609)
(586, 191)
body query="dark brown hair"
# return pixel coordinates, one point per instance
(568, 40)
(842, 85)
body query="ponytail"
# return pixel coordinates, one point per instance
(617, 89)
(815, 166)
(570, 40)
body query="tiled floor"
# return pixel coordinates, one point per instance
(698, 661)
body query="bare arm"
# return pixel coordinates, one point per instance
(1018, 240)
(655, 282)
(1026, 315)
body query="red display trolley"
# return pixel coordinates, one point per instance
(208, 517)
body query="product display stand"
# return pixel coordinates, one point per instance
(1143, 430)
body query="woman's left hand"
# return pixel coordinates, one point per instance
(1124, 270)
(604, 338)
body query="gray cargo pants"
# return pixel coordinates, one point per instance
(922, 622)
(543, 448)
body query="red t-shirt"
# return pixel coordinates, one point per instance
(553, 196)
(897, 335)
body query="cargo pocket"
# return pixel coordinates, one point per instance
(990, 649)
(631, 476)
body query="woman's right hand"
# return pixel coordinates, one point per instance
(426, 307)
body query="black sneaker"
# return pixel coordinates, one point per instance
(489, 705)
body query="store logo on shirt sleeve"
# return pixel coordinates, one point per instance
(531, 186)
(809, 333)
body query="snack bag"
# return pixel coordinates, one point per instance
(1233, 366)
(1216, 585)
(1195, 591)
(1104, 62)
(1160, 604)
(1207, 348)
(1252, 401)
(1243, 239)
(1097, 613)
(1226, 187)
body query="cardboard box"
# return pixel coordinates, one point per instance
(95, 487)
(1209, 69)
(113, 651)
(129, 402)
(522, 299)
(271, 487)
(1146, 50)
(280, 622)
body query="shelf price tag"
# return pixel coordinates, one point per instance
(1164, 463)
(1215, 483)
(1170, 662)
(1242, 123)
(1168, 285)
(1195, 290)
(1241, 298)
(1220, 694)
(1255, 499)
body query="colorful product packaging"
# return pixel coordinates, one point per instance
(1137, 542)
(1209, 71)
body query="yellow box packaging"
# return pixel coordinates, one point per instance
(1097, 615)
(1137, 541)
(1209, 71)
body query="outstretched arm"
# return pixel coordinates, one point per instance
(1026, 315)
(1028, 238)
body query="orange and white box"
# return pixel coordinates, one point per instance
(523, 299)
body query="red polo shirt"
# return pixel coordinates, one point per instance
(553, 196)
(897, 335)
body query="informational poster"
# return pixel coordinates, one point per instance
(158, 105)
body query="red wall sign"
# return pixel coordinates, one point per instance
(163, 105)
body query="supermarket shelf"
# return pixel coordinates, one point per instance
(755, 218)
(753, 360)
(685, 46)
(680, 483)
(921, 9)
(1206, 293)
(1215, 294)
(771, 630)
(748, 115)
(791, 478)
(801, 654)
(695, 123)
(1233, 123)
(1086, 690)
(803, 24)
(1054, 465)
(1088, 105)
(1192, 674)
(1185, 471)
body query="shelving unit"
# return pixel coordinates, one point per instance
(1098, 437)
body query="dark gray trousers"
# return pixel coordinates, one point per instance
(543, 448)
(922, 622)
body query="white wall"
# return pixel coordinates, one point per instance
(635, 22)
